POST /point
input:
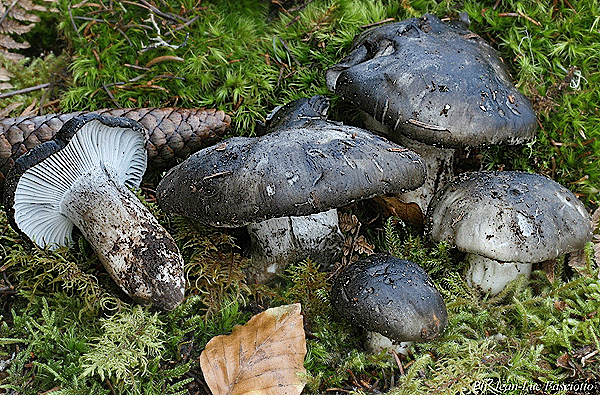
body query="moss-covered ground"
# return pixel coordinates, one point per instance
(66, 329)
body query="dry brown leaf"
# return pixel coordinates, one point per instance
(578, 261)
(8, 43)
(264, 356)
(348, 222)
(5, 75)
(393, 206)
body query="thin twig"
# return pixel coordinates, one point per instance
(73, 22)
(158, 12)
(109, 93)
(7, 291)
(285, 46)
(125, 35)
(378, 23)
(519, 14)
(24, 90)
(87, 18)
(301, 6)
(188, 23)
(133, 66)
(7, 11)
(155, 10)
(137, 25)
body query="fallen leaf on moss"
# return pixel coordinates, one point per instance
(264, 356)
(393, 206)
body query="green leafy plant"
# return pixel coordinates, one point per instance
(130, 340)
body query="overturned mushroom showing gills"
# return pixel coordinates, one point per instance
(81, 178)
(392, 298)
(433, 86)
(282, 184)
(505, 222)
(172, 133)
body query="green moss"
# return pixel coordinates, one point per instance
(238, 57)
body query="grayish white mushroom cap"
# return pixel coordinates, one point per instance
(81, 178)
(433, 86)
(508, 217)
(390, 296)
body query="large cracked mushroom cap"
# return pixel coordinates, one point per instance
(390, 296)
(435, 82)
(304, 165)
(512, 218)
(81, 178)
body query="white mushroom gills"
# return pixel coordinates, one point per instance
(86, 185)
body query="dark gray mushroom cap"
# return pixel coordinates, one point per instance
(509, 217)
(391, 296)
(303, 166)
(35, 185)
(434, 82)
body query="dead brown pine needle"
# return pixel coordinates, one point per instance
(166, 58)
(398, 362)
(378, 23)
(519, 14)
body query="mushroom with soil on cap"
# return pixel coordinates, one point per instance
(81, 178)
(285, 186)
(505, 222)
(393, 299)
(433, 86)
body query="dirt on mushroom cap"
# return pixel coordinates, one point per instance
(435, 82)
(290, 171)
(391, 296)
(509, 216)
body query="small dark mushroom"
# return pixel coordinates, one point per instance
(285, 186)
(433, 86)
(505, 222)
(391, 298)
(81, 178)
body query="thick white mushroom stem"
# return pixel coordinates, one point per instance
(439, 162)
(375, 343)
(278, 242)
(440, 170)
(139, 254)
(492, 276)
